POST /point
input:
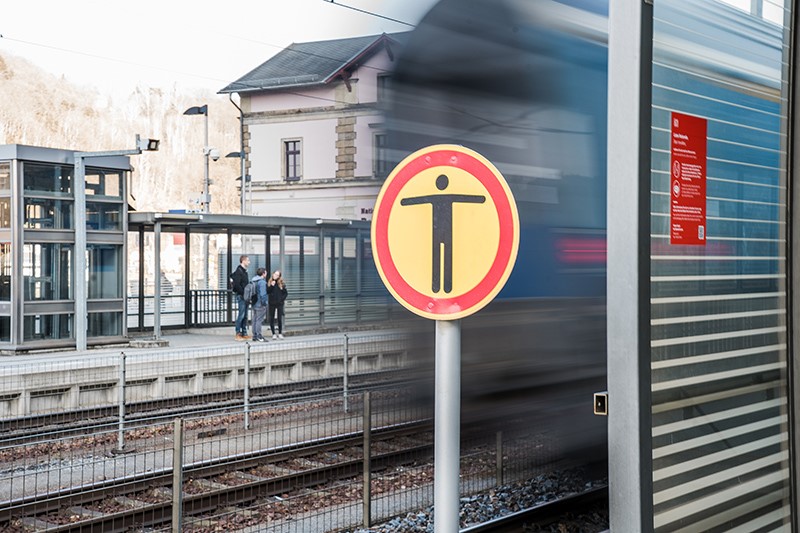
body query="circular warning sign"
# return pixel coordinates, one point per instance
(445, 232)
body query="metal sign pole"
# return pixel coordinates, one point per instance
(447, 448)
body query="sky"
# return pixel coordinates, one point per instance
(116, 46)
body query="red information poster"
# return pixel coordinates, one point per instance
(687, 207)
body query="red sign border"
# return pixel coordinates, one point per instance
(467, 303)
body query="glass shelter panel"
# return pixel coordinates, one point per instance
(340, 279)
(301, 271)
(47, 178)
(104, 216)
(48, 213)
(47, 327)
(47, 271)
(5, 177)
(5, 272)
(105, 270)
(718, 271)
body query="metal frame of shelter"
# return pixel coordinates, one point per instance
(362, 300)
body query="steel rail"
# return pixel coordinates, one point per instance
(542, 513)
(81, 495)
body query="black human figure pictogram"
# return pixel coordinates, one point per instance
(442, 205)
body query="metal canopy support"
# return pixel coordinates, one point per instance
(157, 284)
(790, 76)
(80, 289)
(629, 122)
(79, 186)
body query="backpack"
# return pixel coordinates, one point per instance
(250, 293)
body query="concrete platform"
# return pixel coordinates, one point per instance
(194, 362)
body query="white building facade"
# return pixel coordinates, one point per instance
(313, 129)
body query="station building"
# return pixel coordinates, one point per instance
(312, 127)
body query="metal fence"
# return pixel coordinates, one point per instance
(299, 435)
(206, 308)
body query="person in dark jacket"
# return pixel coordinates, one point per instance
(276, 290)
(239, 279)
(260, 306)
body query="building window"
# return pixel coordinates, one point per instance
(384, 86)
(381, 159)
(292, 162)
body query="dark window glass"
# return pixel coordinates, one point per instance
(48, 178)
(105, 324)
(5, 329)
(384, 86)
(48, 213)
(103, 216)
(105, 271)
(381, 160)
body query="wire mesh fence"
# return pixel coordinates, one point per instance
(275, 437)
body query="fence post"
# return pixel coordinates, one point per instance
(177, 476)
(345, 377)
(367, 424)
(121, 386)
(499, 458)
(246, 386)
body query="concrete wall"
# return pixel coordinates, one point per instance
(40, 388)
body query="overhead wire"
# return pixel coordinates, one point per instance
(370, 13)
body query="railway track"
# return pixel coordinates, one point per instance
(545, 513)
(147, 501)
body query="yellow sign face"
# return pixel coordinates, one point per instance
(445, 232)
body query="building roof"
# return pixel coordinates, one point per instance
(313, 64)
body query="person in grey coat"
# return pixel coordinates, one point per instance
(260, 306)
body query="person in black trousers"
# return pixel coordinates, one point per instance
(276, 293)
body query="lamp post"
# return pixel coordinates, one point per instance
(203, 110)
(243, 178)
(212, 153)
(81, 288)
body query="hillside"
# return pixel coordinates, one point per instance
(40, 109)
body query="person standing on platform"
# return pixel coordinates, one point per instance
(260, 305)
(238, 281)
(277, 297)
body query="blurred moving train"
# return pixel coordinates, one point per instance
(524, 83)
